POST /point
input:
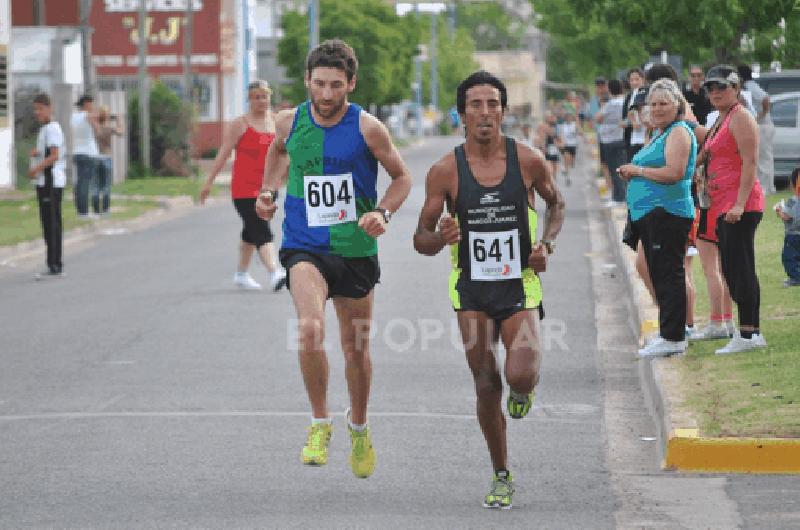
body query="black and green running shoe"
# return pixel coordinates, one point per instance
(499, 497)
(519, 405)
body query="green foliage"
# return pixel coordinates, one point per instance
(591, 37)
(170, 120)
(384, 48)
(454, 60)
(490, 26)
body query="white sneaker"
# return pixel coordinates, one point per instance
(662, 347)
(711, 331)
(739, 344)
(759, 340)
(731, 327)
(278, 279)
(243, 280)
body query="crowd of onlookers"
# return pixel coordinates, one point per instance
(692, 163)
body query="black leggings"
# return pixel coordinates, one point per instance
(664, 241)
(255, 230)
(738, 257)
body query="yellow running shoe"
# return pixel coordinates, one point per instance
(501, 493)
(362, 455)
(315, 452)
(519, 406)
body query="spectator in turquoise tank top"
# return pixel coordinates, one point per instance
(662, 210)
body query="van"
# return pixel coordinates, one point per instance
(779, 82)
(785, 112)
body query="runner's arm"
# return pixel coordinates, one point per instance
(427, 239)
(380, 145)
(545, 186)
(276, 167)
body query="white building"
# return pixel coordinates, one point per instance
(7, 154)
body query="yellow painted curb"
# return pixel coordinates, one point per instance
(687, 451)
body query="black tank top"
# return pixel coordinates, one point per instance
(500, 208)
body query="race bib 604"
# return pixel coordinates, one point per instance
(330, 199)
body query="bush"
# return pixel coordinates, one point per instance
(170, 121)
(25, 130)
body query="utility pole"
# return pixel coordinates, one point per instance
(86, 46)
(434, 70)
(313, 24)
(144, 90)
(187, 70)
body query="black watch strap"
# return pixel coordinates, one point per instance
(387, 215)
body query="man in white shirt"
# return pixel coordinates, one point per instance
(610, 131)
(47, 168)
(85, 153)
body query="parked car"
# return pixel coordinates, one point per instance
(779, 82)
(785, 111)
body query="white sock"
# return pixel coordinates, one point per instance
(358, 427)
(317, 421)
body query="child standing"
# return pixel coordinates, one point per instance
(47, 168)
(789, 212)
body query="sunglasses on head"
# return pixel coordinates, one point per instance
(715, 85)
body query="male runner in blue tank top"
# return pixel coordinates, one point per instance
(330, 149)
(488, 185)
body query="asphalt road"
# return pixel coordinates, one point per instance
(143, 390)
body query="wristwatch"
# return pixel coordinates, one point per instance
(387, 215)
(273, 194)
(549, 245)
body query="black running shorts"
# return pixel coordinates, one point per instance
(348, 277)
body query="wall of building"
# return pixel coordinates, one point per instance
(520, 72)
(56, 12)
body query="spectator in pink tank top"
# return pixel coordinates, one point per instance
(250, 136)
(737, 198)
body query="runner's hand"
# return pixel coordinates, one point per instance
(538, 258)
(449, 231)
(372, 223)
(265, 206)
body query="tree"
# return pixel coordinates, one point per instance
(490, 25)
(602, 36)
(454, 59)
(384, 48)
(170, 120)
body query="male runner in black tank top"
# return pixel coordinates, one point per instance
(488, 183)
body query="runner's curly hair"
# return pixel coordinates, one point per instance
(481, 77)
(333, 53)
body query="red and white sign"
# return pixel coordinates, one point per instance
(116, 36)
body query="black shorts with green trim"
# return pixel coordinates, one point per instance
(348, 277)
(498, 300)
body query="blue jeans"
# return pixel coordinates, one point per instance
(101, 194)
(86, 167)
(791, 256)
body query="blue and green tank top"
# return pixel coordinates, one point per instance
(316, 151)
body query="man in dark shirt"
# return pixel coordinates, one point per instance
(696, 95)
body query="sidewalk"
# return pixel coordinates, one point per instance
(170, 207)
(681, 446)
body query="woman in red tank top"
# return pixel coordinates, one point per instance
(737, 199)
(250, 135)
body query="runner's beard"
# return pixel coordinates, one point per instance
(337, 106)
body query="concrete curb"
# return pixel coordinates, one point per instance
(170, 207)
(681, 448)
